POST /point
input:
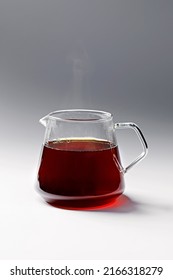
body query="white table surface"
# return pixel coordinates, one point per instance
(141, 227)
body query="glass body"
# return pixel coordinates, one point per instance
(80, 165)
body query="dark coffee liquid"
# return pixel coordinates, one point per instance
(81, 172)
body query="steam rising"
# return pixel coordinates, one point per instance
(80, 75)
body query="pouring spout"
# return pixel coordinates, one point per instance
(44, 120)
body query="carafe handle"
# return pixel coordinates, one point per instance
(141, 138)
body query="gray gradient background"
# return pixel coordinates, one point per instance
(115, 56)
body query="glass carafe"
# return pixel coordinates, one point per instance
(80, 164)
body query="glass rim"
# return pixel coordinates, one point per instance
(98, 115)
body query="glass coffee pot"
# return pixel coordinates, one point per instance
(80, 164)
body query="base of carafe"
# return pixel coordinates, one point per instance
(90, 204)
(80, 203)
